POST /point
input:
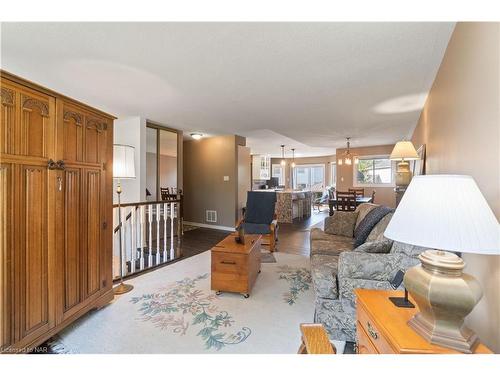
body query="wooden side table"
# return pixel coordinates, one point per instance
(381, 327)
(235, 266)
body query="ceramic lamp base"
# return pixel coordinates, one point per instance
(445, 296)
(403, 174)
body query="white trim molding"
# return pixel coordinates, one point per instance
(210, 226)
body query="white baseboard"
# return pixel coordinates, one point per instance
(203, 225)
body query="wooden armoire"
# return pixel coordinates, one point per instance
(55, 212)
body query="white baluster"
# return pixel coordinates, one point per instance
(158, 217)
(172, 214)
(165, 215)
(150, 244)
(141, 235)
(133, 233)
(123, 261)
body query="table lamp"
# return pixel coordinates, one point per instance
(123, 168)
(403, 151)
(445, 213)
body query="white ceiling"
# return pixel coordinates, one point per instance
(309, 85)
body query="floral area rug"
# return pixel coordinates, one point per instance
(173, 310)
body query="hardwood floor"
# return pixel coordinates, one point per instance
(294, 238)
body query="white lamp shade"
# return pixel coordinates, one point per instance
(445, 212)
(123, 161)
(404, 150)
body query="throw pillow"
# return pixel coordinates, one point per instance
(366, 225)
(378, 247)
(342, 223)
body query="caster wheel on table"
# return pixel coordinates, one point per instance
(218, 293)
(246, 295)
(260, 271)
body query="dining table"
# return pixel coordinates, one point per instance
(359, 200)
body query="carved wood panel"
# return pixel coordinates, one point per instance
(93, 229)
(33, 125)
(73, 260)
(33, 262)
(94, 139)
(8, 100)
(73, 134)
(6, 226)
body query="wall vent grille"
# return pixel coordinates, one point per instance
(211, 216)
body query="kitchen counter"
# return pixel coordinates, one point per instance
(287, 204)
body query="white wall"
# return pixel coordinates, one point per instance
(132, 131)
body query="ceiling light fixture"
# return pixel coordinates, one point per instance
(293, 158)
(196, 136)
(347, 156)
(283, 161)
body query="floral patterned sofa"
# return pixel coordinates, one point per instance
(337, 268)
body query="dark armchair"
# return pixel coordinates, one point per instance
(259, 217)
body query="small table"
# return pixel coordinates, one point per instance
(382, 328)
(359, 200)
(235, 266)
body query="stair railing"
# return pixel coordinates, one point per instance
(150, 234)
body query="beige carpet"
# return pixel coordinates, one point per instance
(173, 310)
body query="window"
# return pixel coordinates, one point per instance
(333, 174)
(374, 171)
(277, 171)
(309, 177)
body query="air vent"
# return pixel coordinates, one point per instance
(211, 216)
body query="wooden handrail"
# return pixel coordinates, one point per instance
(145, 203)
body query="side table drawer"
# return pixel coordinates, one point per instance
(229, 263)
(364, 344)
(372, 332)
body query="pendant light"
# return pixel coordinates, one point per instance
(293, 158)
(347, 158)
(283, 161)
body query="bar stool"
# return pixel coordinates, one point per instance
(299, 200)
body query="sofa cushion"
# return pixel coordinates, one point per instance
(368, 223)
(324, 275)
(341, 223)
(333, 245)
(377, 233)
(378, 247)
(363, 209)
(318, 234)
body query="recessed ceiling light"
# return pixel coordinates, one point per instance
(402, 104)
(196, 136)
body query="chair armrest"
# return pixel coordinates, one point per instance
(315, 340)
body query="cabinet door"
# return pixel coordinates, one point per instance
(28, 130)
(81, 252)
(93, 237)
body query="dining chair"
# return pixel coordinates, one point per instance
(346, 201)
(165, 193)
(360, 192)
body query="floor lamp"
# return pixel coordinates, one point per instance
(123, 168)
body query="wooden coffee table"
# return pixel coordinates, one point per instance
(235, 266)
